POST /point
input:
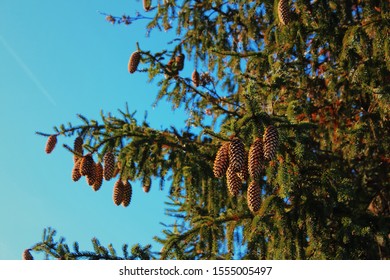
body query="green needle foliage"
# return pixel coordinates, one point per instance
(322, 80)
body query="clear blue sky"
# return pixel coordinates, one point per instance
(58, 59)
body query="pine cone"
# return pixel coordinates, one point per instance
(134, 61)
(109, 165)
(171, 69)
(221, 161)
(127, 193)
(236, 154)
(271, 142)
(87, 165)
(254, 196)
(244, 174)
(98, 177)
(27, 255)
(118, 192)
(76, 175)
(78, 147)
(51, 143)
(147, 5)
(195, 78)
(233, 181)
(256, 158)
(284, 13)
(180, 62)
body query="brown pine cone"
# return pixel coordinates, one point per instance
(109, 166)
(78, 147)
(233, 182)
(76, 175)
(27, 255)
(221, 161)
(98, 177)
(256, 158)
(180, 62)
(134, 60)
(284, 12)
(195, 78)
(127, 193)
(254, 196)
(51, 143)
(236, 154)
(117, 195)
(87, 165)
(271, 142)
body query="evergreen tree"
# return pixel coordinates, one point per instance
(296, 91)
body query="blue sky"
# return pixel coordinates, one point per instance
(58, 59)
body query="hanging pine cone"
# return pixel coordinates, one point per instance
(98, 177)
(236, 154)
(109, 165)
(180, 62)
(134, 61)
(127, 193)
(221, 161)
(171, 69)
(254, 196)
(284, 13)
(256, 158)
(233, 182)
(244, 174)
(271, 142)
(27, 255)
(76, 175)
(87, 165)
(51, 143)
(118, 192)
(195, 78)
(78, 147)
(147, 5)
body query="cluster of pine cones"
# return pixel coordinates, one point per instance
(177, 64)
(172, 69)
(238, 165)
(95, 172)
